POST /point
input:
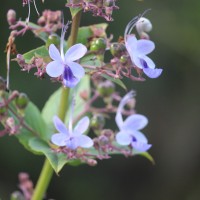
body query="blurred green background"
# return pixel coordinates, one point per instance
(171, 102)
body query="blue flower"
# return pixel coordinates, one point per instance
(64, 65)
(129, 133)
(138, 51)
(72, 139)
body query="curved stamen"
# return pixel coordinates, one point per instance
(132, 24)
(36, 7)
(123, 102)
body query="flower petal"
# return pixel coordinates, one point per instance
(59, 139)
(141, 147)
(72, 143)
(54, 53)
(81, 126)
(54, 69)
(123, 138)
(135, 122)
(139, 136)
(131, 44)
(152, 73)
(60, 126)
(84, 141)
(75, 52)
(145, 47)
(148, 62)
(123, 102)
(69, 80)
(76, 69)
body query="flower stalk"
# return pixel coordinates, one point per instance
(47, 170)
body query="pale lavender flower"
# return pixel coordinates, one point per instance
(139, 49)
(72, 139)
(64, 65)
(129, 133)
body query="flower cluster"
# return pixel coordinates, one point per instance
(101, 8)
(73, 142)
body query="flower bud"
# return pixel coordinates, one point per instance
(52, 39)
(106, 88)
(143, 25)
(124, 59)
(97, 122)
(11, 17)
(117, 49)
(22, 101)
(91, 162)
(98, 45)
(103, 140)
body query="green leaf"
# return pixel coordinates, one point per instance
(90, 60)
(38, 31)
(51, 107)
(35, 122)
(39, 52)
(117, 81)
(57, 160)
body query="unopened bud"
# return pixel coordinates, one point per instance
(97, 122)
(143, 25)
(91, 162)
(22, 101)
(106, 88)
(124, 59)
(103, 140)
(11, 17)
(117, 49)
(98, 45)
(52, 39)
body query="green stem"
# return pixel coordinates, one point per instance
(47, 170)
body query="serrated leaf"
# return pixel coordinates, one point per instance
(39, 52)
(115, 80)
(51, 107)
(57, 160)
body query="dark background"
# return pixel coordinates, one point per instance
(171, 102)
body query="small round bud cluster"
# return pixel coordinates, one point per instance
(11, 17)
(51, 20)
(102, 8)
(98, 45)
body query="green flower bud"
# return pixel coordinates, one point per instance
(98, 45)
(106, 88)
(52, 39)
(22, 101)
(117, 49)
(97, 122)
(124, 59)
